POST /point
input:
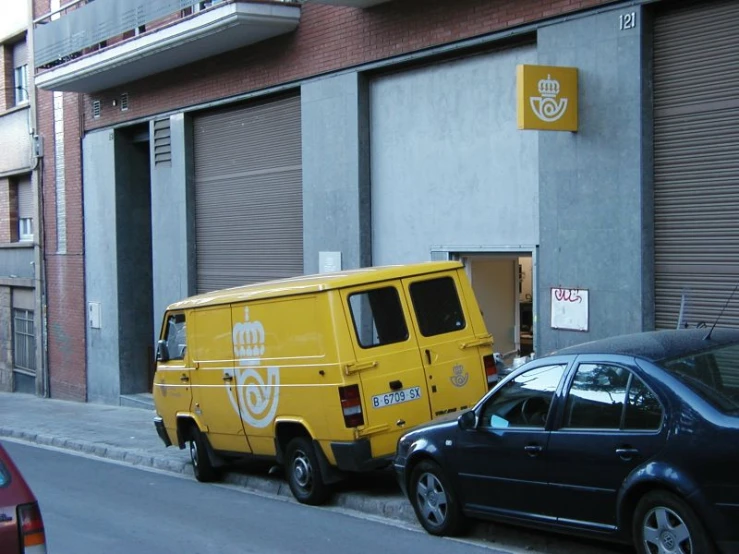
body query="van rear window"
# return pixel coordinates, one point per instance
(378, 317)
(437, 306)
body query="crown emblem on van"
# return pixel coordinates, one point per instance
(459, 379)
(248, 340)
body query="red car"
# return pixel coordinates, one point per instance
(21, 526)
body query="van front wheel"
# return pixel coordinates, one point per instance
(304, 474)
(201, 464)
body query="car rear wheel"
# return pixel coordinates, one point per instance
(434, 501)
(202, 466)
(665, 524)
(304, 474)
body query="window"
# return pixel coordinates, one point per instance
(378, 317)
(21, 84)
(605, 396)
(524, 401)
(24, 341)
(176, 336)
(24, 194)
(4, 475)
(437, 306)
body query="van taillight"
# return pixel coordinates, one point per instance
(32, 529)
(351, 405)
(490, 370)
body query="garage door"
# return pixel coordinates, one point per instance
(696, 95)
(248, 194)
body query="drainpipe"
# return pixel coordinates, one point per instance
(39, 266)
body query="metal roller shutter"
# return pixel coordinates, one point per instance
(25, 198)
(248, 194)
(696, 138)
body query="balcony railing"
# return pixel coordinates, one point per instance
(90, 45)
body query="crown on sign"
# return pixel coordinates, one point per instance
(248, 338)
(549, 88)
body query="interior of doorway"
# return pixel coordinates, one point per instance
(504, 287)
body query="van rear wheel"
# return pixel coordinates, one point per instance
(304, 473)
(202, 466)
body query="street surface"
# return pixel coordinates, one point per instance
(92, 506)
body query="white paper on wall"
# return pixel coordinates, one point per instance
(570, 309)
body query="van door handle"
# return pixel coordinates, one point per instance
(428, 356)
(227, 377)
(184, 378)
(487, 340)
(396, 385)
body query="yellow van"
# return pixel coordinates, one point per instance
(320, 373)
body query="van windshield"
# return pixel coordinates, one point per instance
(713, 375)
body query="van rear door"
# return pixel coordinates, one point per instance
(451, 351)
(394, 394)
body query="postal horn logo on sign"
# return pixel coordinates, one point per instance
(257, 388)
(547, 98)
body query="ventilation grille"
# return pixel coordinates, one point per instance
(124, 101)
(96, 109)
(162, 142)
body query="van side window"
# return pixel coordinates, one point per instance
(378, 317)
(176, 336)
(437, 306)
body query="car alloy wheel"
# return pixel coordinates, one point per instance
(433, 500)
(665, 532)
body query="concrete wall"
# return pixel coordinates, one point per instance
(101, 277)
(449, 167)
(336, 204)
(594, 233)
(173, 221)
(17, 261)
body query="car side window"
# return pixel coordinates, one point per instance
(437, 306)
(378, 317)
(643, 410)
(4, 475)
(604, 396)
(176, 336)
(523, 401)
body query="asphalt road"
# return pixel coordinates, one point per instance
(91, 506)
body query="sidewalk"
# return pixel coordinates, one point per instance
(127, 434)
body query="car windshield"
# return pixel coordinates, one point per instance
(713, 375)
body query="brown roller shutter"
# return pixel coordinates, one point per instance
(25, 198)
(696, 135)
(248, 194)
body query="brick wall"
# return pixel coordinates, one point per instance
(64, 271)
(328, 38)
(8, 211)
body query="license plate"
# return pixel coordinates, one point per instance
(396, 397)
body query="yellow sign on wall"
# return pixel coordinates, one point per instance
(547, 97)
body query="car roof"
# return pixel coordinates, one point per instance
(657, 345)
(307, 284)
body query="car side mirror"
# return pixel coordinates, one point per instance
(467, 420)
(162, 351)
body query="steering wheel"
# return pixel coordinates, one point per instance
(534, 410)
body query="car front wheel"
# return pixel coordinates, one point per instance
(665, 524)
(434, 501)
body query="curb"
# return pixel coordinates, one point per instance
(394, 508)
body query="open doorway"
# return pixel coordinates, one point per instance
(504, 286)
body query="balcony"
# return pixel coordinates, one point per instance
(353, 3)
(90, 46)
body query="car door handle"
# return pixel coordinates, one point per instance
(227, 377)
(627, 453)
(533, 450)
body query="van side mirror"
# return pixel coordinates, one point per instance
(162, 351)
(467, 420)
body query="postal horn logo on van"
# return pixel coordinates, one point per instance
(257, 388)
(459, 379)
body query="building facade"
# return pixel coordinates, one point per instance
(191, 146)
(22, 365)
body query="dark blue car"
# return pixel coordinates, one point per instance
(631, 439)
